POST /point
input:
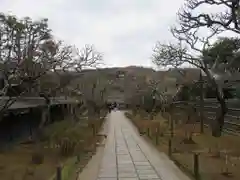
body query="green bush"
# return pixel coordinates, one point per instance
(65, 133)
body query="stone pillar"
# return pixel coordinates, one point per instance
(63, 110)
(71, 109)
(57, 112)
(31, 113)
(74, 113)
(66, 109)
(11, 135)
(49, 118)
(45, 115)
(71, 112)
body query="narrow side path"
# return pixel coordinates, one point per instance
(90, 171)
(127, 156)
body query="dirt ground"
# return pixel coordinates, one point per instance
(16, 162)
(219, 158)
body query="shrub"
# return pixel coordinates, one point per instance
(37, 158)
(67, 147)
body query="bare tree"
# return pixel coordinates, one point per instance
(70, 63)
(145, 95)
(28, 52)
(94, 91)
(189, 50)
(20, 40)
(192, 19)
(227, 17)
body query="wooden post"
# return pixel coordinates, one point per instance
(169, 119)
(169, 147)
(74, 113)
(201, 104)
(157, 134)
(78, 158)
(49, 113)
(93, 129)
(11, 116)
(196, 165)
(171, 125)
(156, 139)
(31, 113)
(71, 112)
(30, 130)
(59, 173)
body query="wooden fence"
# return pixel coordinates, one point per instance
(209, 109)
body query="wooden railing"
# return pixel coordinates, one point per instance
(210, 108)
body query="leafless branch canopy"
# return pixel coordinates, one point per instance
(28, 51)
(187, 50)
(227, 18)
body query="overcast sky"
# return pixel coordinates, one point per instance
(124, 30)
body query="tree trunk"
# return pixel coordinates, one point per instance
(218, 123)
(201, 104)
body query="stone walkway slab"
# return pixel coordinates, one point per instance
(127, 156)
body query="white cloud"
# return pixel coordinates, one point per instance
(125, 31)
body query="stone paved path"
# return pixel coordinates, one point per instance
(128, 157)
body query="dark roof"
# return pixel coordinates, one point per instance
(32, 102)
